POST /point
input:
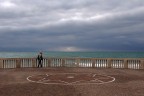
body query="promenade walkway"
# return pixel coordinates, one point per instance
(71, 82)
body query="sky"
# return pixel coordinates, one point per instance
(71, 25)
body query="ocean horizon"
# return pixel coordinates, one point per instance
(49, 54)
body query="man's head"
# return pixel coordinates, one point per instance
(40, 53)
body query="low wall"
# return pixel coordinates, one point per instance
(127, 63)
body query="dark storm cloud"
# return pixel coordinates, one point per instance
(77, 25)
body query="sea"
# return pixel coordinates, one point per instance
(50, 54)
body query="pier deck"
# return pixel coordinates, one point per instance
(128, 82)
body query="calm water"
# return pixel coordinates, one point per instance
(74, 54)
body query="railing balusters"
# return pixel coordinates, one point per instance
(74, 62)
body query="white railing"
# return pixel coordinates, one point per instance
(129, 63)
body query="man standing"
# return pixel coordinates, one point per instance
(40, 59)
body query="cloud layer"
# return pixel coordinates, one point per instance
(76, 25)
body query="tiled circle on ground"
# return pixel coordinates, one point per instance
(71, 78)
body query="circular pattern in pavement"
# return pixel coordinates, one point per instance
(71, 78)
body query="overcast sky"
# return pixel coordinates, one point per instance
(72, 25)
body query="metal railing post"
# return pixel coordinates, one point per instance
(63, 62)
(49, 62)
(93, 63)
(1, 63)
(141, 64)
(109, 63)
(18, 63)
(126, 63)
(33, 62)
